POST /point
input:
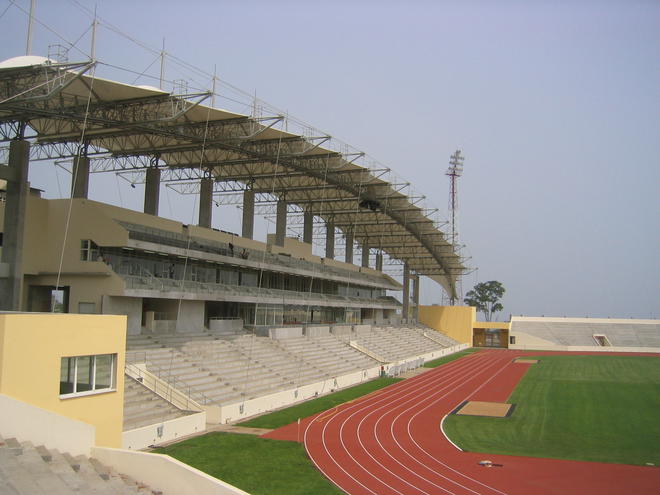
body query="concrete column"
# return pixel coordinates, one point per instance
(330, 239)
(406, 293)
(280, 223)
(308, 226)
(349, 247)
(205, 202)
(379, 261)
(415, 308)
(80, 177)
(365, 254)
(18, 189)
(248, 214)
(152, 191)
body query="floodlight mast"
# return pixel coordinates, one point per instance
(454, 171)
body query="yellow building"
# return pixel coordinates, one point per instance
(460, 323)
(71, 365)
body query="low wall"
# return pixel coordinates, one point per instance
(41, 427)
(285, 332)
(241, 410)
(583, 348)
(341, 330)
(155, 434)
(163, 473)
(317, 330)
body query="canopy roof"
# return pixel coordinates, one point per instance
(137, 127)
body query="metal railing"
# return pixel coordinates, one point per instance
(174, 384)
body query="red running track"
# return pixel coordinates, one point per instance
(390, 442)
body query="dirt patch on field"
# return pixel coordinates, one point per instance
(526, 361)
(488, 409)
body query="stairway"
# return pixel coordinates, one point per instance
(29, 470)
(142, 407)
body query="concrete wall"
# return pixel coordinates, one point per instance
(190, 316)
(454, 321)
(129, 306)
(285, 332)
(33, 424)
(583, 348)
(317, 330)
(31, 348)
(340, 330)
(165, 431)
(163, 473)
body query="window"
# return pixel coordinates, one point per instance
(86, 308)
(86, 375)
(89, 251)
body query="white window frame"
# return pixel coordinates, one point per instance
(94, 390)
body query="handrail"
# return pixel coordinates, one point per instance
(175, 384)
(137, 281)
(364, 350)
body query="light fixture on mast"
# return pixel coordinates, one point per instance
(454, 171)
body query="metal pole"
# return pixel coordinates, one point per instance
(93, 53)
(28, 48)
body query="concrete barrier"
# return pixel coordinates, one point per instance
(157, 433)
(163, 473)
(285, 332)
(41, 427)
(317, 331)
(583, 348)
(341, 330)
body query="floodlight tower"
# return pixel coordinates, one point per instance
(454, 171)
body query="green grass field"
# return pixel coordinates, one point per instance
(447, 359)
(257, 465)
(289, 415)
(590, 408)
(262, 466)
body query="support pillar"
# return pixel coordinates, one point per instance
(18, 189)
(152, 191)
(80, 177)
(349, 247)
(406, 293)
(415, 308)
(330, 239)
(248, 214)
(379, 261)
(205, 202)
(308, 226)
(365, 253)
(280, 223)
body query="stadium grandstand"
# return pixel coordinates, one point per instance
(218, 326)
(147, 329)
(574, 333)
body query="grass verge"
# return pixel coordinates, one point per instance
(447, 359)
(290, 414)
(590, 408)
(257, 465)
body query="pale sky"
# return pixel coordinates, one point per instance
(555, 104)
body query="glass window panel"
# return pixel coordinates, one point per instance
(85, 373)
(66, 375)
(104, 374)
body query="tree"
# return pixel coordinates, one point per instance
(485, 297)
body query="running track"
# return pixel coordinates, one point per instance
(390, 441)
